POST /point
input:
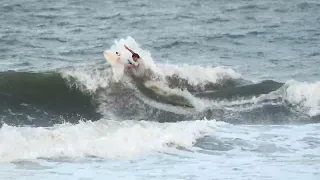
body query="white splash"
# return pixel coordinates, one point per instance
(304, 94)
(199, 75)
(196, 75)
(88, 79)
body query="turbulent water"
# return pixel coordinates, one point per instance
(232, 93)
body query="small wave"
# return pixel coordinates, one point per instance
(254, 6)
(255, 32)
(216, 19)
(53, 39)
(178, 43)
(281, 10)
(51, 8)
(7, 40)
(308, 5)
(184, 17)
(4, 50)
(73, 52)
(234, 36)
(108, 17)
(241, 35)
(247, 7)
(10, 7)
(63, 23)
(104, 139)
(48, 16)
(314, 54)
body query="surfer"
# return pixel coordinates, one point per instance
(135, 63)
(135, 58)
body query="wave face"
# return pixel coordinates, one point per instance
(170, 93)
(42, 99)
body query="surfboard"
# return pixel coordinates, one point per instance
(116, 62)
(113, 58)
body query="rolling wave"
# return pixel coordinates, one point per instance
(170, 93)
(45, 99)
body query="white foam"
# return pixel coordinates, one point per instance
(88, 78)
(199, 75)
(107, 139)
(304, 94)
(195, 74)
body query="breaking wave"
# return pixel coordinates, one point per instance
(175, 93)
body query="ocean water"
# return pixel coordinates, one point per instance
(233, 90)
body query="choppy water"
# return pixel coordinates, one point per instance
(243, 78)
